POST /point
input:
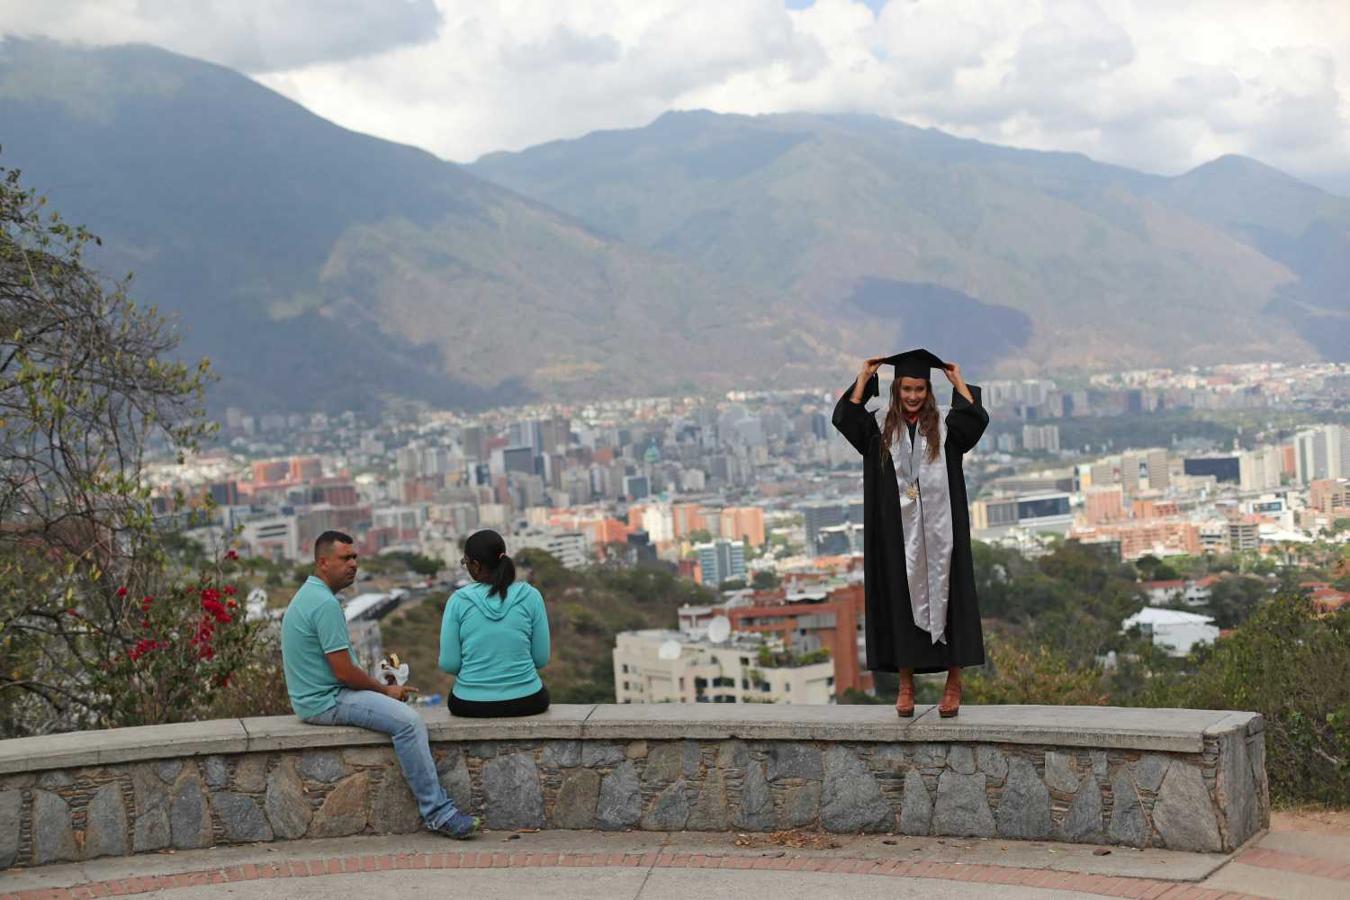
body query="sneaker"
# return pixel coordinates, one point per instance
(459, 826)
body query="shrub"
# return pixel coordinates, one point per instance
(1292, 665)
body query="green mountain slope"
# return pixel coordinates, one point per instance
(1033, 259)
(323, 268)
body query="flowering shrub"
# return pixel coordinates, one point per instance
(189, 652)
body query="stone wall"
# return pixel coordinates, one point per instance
(1180, 779)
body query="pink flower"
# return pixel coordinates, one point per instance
(121, 592)
(231, 554)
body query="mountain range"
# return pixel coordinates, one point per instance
(321, 268)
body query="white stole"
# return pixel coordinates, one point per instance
(926, 517)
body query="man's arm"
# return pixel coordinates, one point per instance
(345, 671)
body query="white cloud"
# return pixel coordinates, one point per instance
(1154, 84)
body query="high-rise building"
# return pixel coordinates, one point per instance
(1322, 452)
(1041, 437)
(826, 514)
(720, 561)
(743, 523)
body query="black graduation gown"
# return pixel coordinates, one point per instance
(894, 642)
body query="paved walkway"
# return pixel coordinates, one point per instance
(1304, 856)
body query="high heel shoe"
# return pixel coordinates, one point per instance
(951, 700)
(904, 704)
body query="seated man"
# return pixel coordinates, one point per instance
(328, 688)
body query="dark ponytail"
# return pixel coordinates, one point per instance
(487, 548)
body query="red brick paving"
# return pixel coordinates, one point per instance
(1102, 885)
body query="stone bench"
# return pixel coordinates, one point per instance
(1180, 779)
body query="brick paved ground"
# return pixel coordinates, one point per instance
(1292, 861)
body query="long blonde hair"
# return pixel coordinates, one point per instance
(927, 424)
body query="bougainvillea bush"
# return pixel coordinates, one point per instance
(184, 652)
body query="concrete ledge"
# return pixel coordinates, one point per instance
(1173, 778)
(1162, 730)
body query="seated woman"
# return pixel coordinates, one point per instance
(494, 636)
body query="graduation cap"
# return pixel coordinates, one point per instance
(910, 364)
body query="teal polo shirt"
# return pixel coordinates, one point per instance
(312, 626)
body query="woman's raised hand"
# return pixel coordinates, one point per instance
(870, 366)
(953, 372)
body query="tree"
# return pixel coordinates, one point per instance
(87, 381)
(1292, 665)
(765, 580)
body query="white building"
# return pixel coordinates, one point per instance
(1173, 630)
(571, 548)
(698, 671)
(1260, 469)
(274, 537)
(1322, 452)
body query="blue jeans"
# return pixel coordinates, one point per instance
(375, 711)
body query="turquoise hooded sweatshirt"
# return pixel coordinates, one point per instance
(494, 646)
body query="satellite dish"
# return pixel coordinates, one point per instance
(670, 650)
(719, 629)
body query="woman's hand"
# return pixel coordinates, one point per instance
(869, 368)
(953, 372)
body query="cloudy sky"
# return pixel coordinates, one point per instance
(1161, 85)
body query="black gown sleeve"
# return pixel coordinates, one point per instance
(854, 422)
(966, 421)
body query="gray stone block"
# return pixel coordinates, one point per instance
(288, 809)
(620, 803)
(1236, 792)
(929, 756)
(1128, 825)
(961, 759)
(394, 810)
(597, 754)
(454, 774)
(53, 840)
(1083, 822)
(577, 797)
(788, 760)
(105, 832)
(344, 810)
(323, 766)
(241, 818)
(561, 755)
(1184, 814)
(1060, 774)
(732, 755)
(168, 770)
(710, 809)
(851, 799)
(1150, 770)
(216, 772)
(992, 762)
(189, 817)
(250, 774)
(512, 794)
(151, 810)
(11, 813)
(1024, 808)
(916, 806)
(801, 804)
(369, 756)
(962, 808)
(667, 762)
(888, 758)
(669, 810)
(755, 811)
(54, 781)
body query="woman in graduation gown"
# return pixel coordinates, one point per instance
(922, 614)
